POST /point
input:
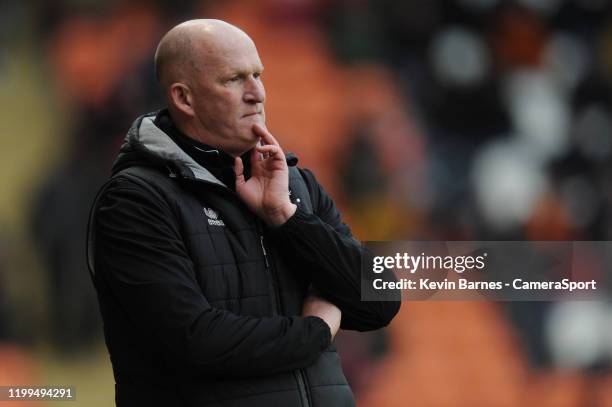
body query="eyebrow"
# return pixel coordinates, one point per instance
(233, 72)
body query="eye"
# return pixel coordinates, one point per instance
(235, 78)
(257, 75)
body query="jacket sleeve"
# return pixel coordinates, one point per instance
(140, 257)
(333, 258)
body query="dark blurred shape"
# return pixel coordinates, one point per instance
(106, 86)
(5, 320)
(530, 317)
(59, 223)
(518, 37)
(361, 175)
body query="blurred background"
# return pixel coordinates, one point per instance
(424, 119)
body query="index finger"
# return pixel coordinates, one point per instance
(265, 135)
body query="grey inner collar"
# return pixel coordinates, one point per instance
(160, 144)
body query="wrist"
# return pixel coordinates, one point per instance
(281, 215)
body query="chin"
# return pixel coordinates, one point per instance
(246, 143)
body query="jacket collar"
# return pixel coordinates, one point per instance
(147, 145)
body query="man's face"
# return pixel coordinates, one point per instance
(228, 96)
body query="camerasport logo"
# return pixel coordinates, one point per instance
(213, 217)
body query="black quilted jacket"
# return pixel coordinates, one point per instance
(201, 302)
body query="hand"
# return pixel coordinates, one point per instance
(266, 193)
(328, 312)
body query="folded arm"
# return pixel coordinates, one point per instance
(333, 258)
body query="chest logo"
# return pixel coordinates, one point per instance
(213, 217)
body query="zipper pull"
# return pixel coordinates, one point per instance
(264, 250)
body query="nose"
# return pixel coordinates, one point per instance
(254, 91)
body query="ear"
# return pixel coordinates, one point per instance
(180, 96)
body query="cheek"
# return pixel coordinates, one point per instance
(218, 99)
(230, 106)
(221, 108)
(219, 111)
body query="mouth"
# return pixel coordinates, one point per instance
(251, 114)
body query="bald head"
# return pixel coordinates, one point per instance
(187, 48)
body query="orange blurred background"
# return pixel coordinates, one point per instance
(424, 119)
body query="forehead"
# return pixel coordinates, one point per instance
(231, 55)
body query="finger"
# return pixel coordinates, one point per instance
(255, 156)
(259, 130)
(271, 151)
(239, 171)
(266, 136)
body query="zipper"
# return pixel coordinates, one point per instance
(301, 378)
(303, 384)
(269, 269)
(263, 248)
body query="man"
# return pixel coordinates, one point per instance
(223, 272)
